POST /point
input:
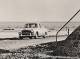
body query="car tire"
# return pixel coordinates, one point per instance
(20, 37)
(30, 37)
(44, 36)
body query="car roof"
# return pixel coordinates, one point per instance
(33, 23)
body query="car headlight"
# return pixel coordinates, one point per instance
(20, 32)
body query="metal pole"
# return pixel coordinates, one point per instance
(68, 31)
(67, 23)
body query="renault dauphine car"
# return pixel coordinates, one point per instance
(33, 30)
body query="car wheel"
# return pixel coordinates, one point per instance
(44, 36)
(20, 37)
(30, 37)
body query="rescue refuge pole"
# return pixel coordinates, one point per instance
(66, 23)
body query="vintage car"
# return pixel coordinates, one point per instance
(33, 30)
(8, 28)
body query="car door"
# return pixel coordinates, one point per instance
(41, 30)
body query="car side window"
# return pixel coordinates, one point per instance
(26, 26)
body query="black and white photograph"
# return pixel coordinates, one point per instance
(39, 29)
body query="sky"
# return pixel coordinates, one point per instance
(38, 10)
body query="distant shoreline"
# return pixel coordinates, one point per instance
(34, 21)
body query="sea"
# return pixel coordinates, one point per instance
(49, 25)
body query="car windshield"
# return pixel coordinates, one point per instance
(31, 25)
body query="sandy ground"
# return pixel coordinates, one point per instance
(8, 34)
(14, 34)
(16, 43)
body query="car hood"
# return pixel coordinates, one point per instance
(29, 29)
